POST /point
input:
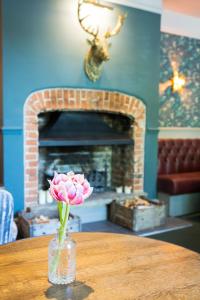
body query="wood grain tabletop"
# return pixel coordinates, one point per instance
(109, 266)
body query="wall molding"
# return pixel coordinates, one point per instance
(180, 24)
(154, 6)
(12, 128)
(179, 132)
(171, 22)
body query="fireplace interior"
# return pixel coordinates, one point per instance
(100, 145)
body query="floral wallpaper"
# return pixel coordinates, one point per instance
(179, 109)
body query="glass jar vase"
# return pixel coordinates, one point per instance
(62, 260)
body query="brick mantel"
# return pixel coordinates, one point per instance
(64, 99)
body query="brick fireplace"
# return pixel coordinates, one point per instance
(82, 100)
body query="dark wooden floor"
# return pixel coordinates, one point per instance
(187, 237)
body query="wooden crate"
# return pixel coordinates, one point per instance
(28, 227)
(139, 218)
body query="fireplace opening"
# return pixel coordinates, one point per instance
(105, 167)
(100, 145)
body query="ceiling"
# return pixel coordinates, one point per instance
(187, 7)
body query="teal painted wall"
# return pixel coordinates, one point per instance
(44, 47)
(180, 109)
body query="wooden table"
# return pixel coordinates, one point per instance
(109, 266)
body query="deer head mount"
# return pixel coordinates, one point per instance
(99, 45)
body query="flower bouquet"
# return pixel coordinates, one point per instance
(67, 189)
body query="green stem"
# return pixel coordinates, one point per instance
(61, 233)
(64, 224)
(60, 205)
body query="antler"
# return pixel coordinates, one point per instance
(89, 30)
(97, 3)
(117, 28)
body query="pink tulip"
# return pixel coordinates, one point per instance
(70, 188)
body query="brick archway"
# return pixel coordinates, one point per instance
(78, 100)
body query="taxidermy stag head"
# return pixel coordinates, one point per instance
(99, 45)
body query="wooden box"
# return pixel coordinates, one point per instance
(138, 218)
(29, 227)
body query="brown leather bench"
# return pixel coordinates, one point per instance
(179, 166)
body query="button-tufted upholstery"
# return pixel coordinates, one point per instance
(179, 166)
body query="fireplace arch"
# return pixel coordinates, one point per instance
(65, 99)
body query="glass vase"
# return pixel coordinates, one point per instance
(62, 260)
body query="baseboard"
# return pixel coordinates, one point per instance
(180, 205)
